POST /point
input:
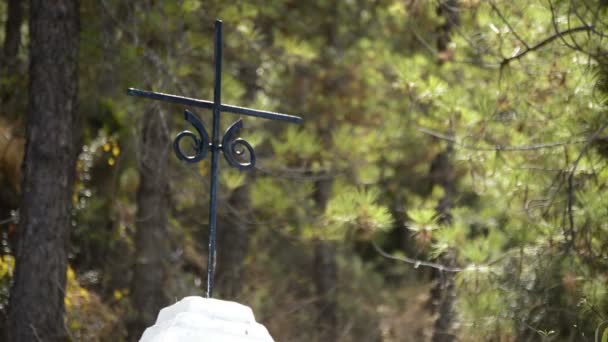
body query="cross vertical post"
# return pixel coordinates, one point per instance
(215, 150)
(231, 146)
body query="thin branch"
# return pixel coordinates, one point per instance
(556, 26)
(591, 139)
(544, 42)
(499, 147)
(417, 262)
(9, 220)
(504, 20)
(14, 218)
(440, 267)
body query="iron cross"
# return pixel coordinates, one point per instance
(231, 146)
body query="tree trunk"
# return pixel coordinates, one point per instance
(36, 306)
(233, 242)
(450, 11)
(233, 235)
(325, 280)
(151, 247)
(325, 272)
(443, 294)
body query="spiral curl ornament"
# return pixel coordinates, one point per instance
(201, 142)
(233, 147)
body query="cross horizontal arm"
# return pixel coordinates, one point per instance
(209, 105)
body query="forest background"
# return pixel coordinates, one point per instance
(448, 182)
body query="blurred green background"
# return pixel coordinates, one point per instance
(448, 182)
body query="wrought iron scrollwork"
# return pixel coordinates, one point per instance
(201, 142)
(232, 146)
(238, 152)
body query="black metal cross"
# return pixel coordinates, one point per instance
(231, 146)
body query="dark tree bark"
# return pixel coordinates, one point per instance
(325, 266)
(36, 306)
(325, 280)
(233, 242)
(450, 11)
(234, 234)
(444, 296)
(443, 293)
(151, 237)
(325, 272)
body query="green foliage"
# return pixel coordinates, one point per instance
(88, 318)
(518, 126)
(7, 267)
(356, 209)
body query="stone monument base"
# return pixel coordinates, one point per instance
(198, 319)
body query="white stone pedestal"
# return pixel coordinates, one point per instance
(197, 319)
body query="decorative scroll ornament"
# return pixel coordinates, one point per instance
(201, 142)
(232, 146)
